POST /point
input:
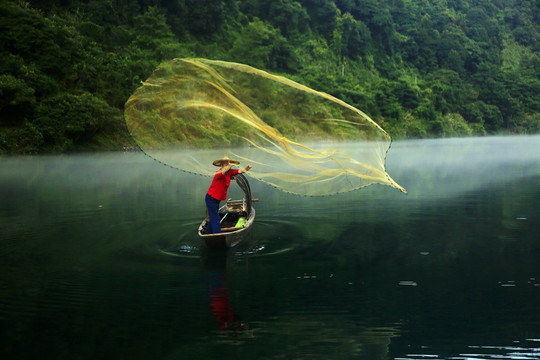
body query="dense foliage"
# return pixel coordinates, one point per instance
(420, 68)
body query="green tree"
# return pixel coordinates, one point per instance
(483, 115)
(427, 39)
(323, 15)
(67, 120)
(448, 88)
(355, 37)
(262, 46)
(16, 100)
(451, 49)
(382, 29)
(287, 15)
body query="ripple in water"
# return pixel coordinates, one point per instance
(526, 349)
(267, 237)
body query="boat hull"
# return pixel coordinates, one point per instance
(228, 238)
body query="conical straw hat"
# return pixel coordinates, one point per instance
(218, 162)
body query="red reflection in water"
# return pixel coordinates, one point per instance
(221, 305)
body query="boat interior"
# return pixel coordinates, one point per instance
(229, 215)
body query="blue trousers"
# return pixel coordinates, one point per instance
(213, 226)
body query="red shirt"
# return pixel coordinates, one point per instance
(220, 184)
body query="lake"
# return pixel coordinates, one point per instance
(99, 259)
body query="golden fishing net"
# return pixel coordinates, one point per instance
(191, 112)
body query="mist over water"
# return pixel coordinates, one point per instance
(459, 165)
(99, 258)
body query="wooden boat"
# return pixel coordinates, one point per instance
(229, 214)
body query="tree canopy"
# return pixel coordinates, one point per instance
(418, 68)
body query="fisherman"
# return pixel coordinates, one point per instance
(218, 190)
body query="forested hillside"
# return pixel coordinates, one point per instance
(420, 68)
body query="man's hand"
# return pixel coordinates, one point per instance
(246, 169)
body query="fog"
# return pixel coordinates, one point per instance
(448, 167)
(428, 169)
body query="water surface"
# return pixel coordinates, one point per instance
(99, 259)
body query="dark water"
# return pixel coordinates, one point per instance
(99, 259)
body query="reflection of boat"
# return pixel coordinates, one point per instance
(230, 213)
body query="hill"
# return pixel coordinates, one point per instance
(418, 68)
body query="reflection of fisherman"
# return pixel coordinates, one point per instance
(219, 300)
(218, 191)
(221, 305)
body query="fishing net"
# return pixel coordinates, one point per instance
(191, 112)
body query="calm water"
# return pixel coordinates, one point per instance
(99, 259)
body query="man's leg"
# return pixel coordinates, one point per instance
(213, 226)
